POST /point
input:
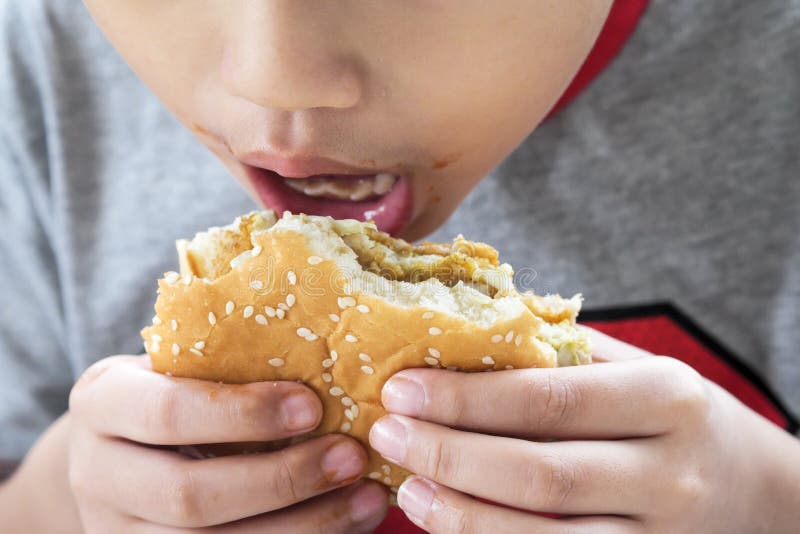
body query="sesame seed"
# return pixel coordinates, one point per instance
(260, 319)
(291, 277)
(327, 377)
(282, 306)
(200, 345)
(350, 338)
(434, 331)
(176, 349)
(346, 426)
(172, 277)
(374, 475)
(518, 340)
(347, 289)
(364, 357)
(327, 362)
(367, 370)
(290, 300)
(248, 312)
(303, 331)
(270, 311)
(334, 355)
(346, 302)
(256, 251)
(497, 338)
(155, 347)
(354, 410)
(509, 336)
(431, 361)
(280, 314)
(256, 284)
(173, 324)
(157, 338)
(212, 318)
(336, 391)
(229, 307)
(428, 315)
(386, 469)
(312, 337)
(363, 308)
(187, 279)
(433, 352)
(347, 401)
(333, 317)
(314, 260)
(156, 320)
(349, 414)
(488, 360)
(387, 480)
(509, 367)
(276, 362)
(195, 352)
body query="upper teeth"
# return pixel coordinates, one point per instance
(343, 188)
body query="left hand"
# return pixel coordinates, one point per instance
(645, 444)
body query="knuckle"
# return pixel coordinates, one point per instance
(441, 462)
(161, 412)
(552, 402)
(80, 393)
(690, 490)
(457, 519)
(556, 480)
(284, 484)
(688, 391)
(183, 499)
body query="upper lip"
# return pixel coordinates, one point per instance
(301, 166)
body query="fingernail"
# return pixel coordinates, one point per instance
(368, 505)
(415, 498)
(388, 437)
(404, 396)
(298, 411)
(343, 461)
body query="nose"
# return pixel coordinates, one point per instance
(288, 54)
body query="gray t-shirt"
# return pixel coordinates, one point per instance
(674, 177)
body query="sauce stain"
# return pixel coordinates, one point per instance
(446, 160)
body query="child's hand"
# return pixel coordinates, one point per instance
(645, 444)
(125, 479)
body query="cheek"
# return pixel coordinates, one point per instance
(171, 46)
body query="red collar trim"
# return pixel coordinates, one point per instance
(622, 20)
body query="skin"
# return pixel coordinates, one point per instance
(444, 90)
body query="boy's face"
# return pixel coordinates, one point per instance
(413, 100)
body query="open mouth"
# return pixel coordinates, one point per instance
(383, 197)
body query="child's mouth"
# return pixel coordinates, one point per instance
(384, 197)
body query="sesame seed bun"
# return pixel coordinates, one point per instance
(341, 307)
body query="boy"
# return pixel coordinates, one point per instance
(98, 182)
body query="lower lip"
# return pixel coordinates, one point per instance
(391, 212)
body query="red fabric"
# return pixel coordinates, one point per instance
(622, 20)
(620, 24)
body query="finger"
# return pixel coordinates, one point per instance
(609, 349)
(165, 487)
(358, 508)
(437, 508)
(637, 398)
(123, 397)
(612, 477)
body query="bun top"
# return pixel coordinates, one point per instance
(342, 306)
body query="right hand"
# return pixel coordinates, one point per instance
(127, 477)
